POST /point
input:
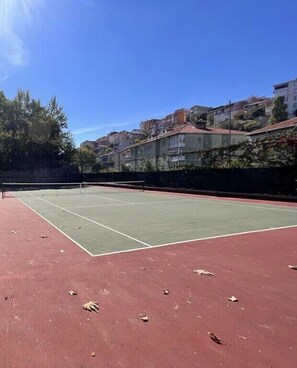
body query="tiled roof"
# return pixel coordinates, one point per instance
(191, 129)
(269, 128)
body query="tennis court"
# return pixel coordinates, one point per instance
(123, 248)
(105, 219)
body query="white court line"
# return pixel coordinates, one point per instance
(152, 246)
(109, 199)
(94, 222)
(130, 203)
(62, 232)
(239, 204)
(198, 239)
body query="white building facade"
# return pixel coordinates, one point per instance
(289, 91)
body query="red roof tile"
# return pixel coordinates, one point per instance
(283, 125)
(191, 129)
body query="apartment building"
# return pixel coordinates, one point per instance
(179, 147)
(225, 112)
(289, 91)
(199, 111)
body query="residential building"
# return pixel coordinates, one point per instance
(289, 91)
(225, 112)
(275, 129)
(199, 111)
(146, 125)
(179, 147)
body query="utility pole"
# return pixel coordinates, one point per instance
(157, 148)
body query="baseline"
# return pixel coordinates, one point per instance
(199, 239)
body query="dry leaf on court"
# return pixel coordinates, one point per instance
(233, 299)
(71, 292)
(166, 292)
(203, 272)
(93, 354)
(13, 232)
(43, 236)
(215, 338)
(243, 337)
(144, 317)
(91, 306)
(293, 267)
(62, 251)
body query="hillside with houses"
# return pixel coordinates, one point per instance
(173, 141)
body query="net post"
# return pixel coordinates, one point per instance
(80, 188)
(2, 190)
(143, 184)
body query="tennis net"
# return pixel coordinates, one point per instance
(84, 188)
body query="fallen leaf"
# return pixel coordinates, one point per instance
(91, 306)
(43, 236)
(78, 228)
(93, 354)
(62, 251)
(143, 268)
(13, 231)
(293, 267)
(71, 292)
(243, 337)
(203, 272)
(233, 299)
(144, 317)
(104, 291)
(215, 338)
(166, 292)
(6, 298)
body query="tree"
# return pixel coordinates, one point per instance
(97, 167)
(279, 110)
(148, 166)
(255, 112)
(85, 159)
(32, 135)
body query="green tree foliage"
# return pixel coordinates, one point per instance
(272, 151)
(251, 125)
(279, 110)
(33, 136)
(148, 166)
(255, 112)
(86, 160)
(242, 125)
(210, 119)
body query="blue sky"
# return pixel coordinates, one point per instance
(113, 63)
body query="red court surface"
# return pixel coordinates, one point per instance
(42, 326)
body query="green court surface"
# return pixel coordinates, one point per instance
(106, 221)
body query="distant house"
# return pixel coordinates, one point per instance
(223, 113)
(275, 129)
(289, 91)
(179, 147)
